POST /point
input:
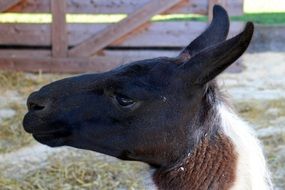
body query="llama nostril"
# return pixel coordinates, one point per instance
(36, 102)
(35, 107)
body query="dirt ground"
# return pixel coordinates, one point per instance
(258, 93)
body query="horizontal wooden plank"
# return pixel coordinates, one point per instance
(25, 34)
(158, 34)
(21, 61)
(234, 7)
(134, 55)
(58, 65)
(172, 34)
(127, 56)
(138, 54)
(24, 53)
(124, 55)
(107, 60)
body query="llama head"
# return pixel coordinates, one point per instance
(150, 110)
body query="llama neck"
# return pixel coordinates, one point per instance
(211, 165)
(230, 159)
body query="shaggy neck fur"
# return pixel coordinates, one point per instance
(211, 166)
(228, 156)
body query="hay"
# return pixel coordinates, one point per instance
(77, 170)
(261, 113)
(12, 134)
(25, 83)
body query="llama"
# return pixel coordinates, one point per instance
(166, 112)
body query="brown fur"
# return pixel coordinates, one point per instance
(211, 165)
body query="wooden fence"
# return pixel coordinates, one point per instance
(65, 47)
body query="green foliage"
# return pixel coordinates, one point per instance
(258, 18)
(262, 18)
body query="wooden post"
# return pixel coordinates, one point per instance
(59, 39)
(211, 4)
(117, 30)
(6, 4)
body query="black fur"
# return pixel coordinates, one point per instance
(172, 102)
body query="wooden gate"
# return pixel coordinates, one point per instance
(65, 47)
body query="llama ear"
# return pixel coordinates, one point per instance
(210, 62)
(215, 33)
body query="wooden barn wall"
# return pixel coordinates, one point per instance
(156, 34)
(46, 47)
(234, 7)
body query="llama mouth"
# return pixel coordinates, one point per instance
(58, 132)
(49, 140)
(54, 139)
(32, 124)
(39, 127)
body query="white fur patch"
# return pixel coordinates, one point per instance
(252, 172)
(148, 181)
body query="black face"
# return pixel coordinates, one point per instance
(146, 110)
(130, 112)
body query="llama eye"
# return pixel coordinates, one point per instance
(124, 101)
